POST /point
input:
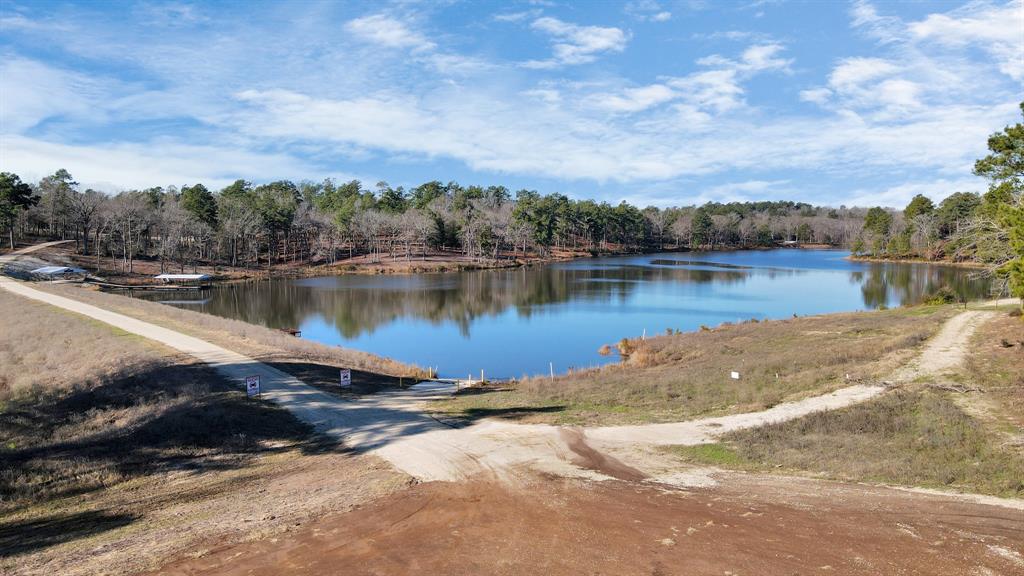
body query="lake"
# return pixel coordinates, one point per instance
(521, 321)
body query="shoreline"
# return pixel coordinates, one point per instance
(877, 260)
(438, 262)
(441, 265)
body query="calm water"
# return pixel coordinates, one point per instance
(514, 322)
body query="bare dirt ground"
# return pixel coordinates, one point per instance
(549, 500)
(544, 499)
(747, 525)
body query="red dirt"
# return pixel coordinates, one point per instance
(749, 525)
(589, 458)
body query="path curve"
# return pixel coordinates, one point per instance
(33, 248)
(392, 426)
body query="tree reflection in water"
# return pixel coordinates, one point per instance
(595, 301)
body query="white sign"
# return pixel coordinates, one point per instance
(346, 378)
(252, 386)
(735, 375)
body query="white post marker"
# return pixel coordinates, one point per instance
(346, 378)
(734, 375)
(252, 386)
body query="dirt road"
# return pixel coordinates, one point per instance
(945, 350)
(747, 525)
(532, 503)
(391, 425)
(30, 249)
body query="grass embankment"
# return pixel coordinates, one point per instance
(684, 376)
(313, 363)
(923, 435)
(116, 452)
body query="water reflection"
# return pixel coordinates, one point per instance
(516, 321)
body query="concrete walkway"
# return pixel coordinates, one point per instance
(362, 424)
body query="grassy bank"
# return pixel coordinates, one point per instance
(117, 452)
(683, 376)
(317, 364)
(919, 438)
(925, 435)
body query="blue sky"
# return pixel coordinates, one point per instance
(655, 102)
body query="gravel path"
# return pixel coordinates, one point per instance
(391, 425)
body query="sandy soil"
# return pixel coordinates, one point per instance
(748, 525)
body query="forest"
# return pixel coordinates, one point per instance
(261, 225)
(316, 222)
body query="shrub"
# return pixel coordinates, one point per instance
(626, 347)
(944, 295)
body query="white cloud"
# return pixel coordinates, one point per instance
(517, 16)
(763, 57)
(852, 74)
(885, 29)
(33, 92)
(743, 191)
(489, 133)
(720, 89)
(547, 95)
(114, 167)
(929, 62)
(635, 99)
(17, 21)
(999, 30)
(915, 110)
(387, 31)
(717, 90)
(647, 10)
(816, 95)
(900, 195)
(575, 44)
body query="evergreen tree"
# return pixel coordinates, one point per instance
(200, 203)
(15, 196)
(1004, 168)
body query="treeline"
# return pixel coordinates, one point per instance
(987, 229)
(958, 229)
(263, 225)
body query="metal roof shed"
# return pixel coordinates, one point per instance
(56, 271)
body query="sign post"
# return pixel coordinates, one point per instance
(346, 378)
(252, 386)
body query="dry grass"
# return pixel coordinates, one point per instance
(923, 436)
(41, 348)
(996, 365)
(913, 438)
(117, 452)
(683, 376)
(259, 342)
